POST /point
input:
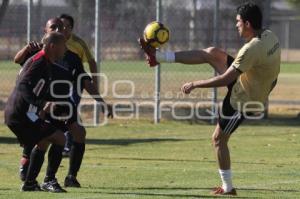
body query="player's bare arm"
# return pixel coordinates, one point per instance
(93, 68)
(89, 87)
(31, 47)
(219, 81)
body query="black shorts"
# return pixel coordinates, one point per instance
(30, 133)
(63, 125)
(71, 116)
(229, 118)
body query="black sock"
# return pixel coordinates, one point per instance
(35, 165)
(54, 160)
(76, 155)
(69, 140)
(27, 151)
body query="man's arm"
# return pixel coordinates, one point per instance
(31, 85)
(219, 81)
(21, 56)
(93, 69)
(89, 87)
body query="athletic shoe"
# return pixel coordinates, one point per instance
(71, 181)
(52, 186)
(31, 186)
(220, 191)
(149, 52)
(24, 164)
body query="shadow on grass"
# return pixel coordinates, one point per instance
(270, 190)
(135, 192)
(8, 140)
(271, 121)
(186, 160)
(126, 141)
(118, 142)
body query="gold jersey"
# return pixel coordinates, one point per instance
(78, 46)
(259, 64)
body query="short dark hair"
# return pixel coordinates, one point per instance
(53, 37)
(69, 18)
(252, 13)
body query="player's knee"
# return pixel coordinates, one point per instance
(78, 132)
(43, 145)
(215, 141)
(58, 138)
(219, 140)
(210, 50)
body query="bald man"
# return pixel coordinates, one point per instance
(28, 104)
(68, 69)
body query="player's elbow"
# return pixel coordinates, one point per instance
(17, 59)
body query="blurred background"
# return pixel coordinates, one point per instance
(193, 24)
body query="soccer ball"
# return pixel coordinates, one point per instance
(156, 34)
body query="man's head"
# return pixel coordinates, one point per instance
(68, 23)
(249, 19)
(54, 45)
(54, 25)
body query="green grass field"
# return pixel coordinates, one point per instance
(137, 159)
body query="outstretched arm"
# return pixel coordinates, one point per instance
(219, 81)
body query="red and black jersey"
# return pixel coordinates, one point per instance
(69, 68)
(30, 91)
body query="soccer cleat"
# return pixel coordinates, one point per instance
(24, 164)
(71, 181)
(52, 186)
(149, 52)
(220, 191)
(31, 186)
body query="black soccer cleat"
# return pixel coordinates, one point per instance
(30, 186)
(52, 186)
(24, 164)
(71, 181)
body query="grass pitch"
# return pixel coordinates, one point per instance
(137, 159)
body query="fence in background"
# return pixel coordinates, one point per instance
(121, 22)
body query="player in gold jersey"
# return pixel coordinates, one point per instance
(249, 77)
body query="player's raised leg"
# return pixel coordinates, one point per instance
(216, 57)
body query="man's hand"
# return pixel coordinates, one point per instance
(46, 109)
(187, 87)
(33, 46)
(107, 110)
(149, 52)
(110, 112)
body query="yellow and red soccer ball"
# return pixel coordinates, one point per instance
(156, 34)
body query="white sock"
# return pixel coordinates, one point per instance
(165, 56)
(226, 179)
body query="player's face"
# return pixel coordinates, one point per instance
(54, 26)
(67, 28)
(240, 25)
(60, 50)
